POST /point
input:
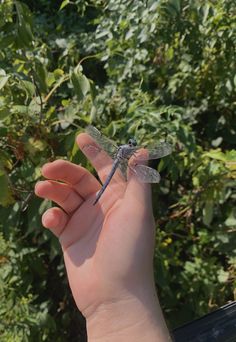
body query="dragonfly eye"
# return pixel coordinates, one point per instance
(132, 142)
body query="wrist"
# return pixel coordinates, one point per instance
(132, 316)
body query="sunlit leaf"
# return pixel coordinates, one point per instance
(80, 83)
(3, 78)
(223, 276)
(216, 154)
(64, 4)
(231, 220)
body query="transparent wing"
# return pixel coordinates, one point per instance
(157, 152)
(105, 143)
(123, 168)
(145, 174)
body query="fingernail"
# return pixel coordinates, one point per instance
(36, 187)
(44, 166)
(49, 220)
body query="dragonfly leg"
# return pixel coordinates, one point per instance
(132, 168)
(134, 156)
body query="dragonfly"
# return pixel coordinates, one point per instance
(122, 154)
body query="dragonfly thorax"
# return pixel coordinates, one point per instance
(125, 151)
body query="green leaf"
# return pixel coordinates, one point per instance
(41, 76)
(190, 267)
(19, 109)
(93, 91)
(205, 10)
(25, 35)
(208, 212)
(28, 87)
(176, 4)
(223, 237)
(93, 113)
(216, 142)
(3, 130)
(74, 151)
(6, 197)
(229, 85)
(231, 155)
(50, 79)
(4, 113)
(5, 161)
(64, 4)
(231, 220)
(215, 154)
(58, 73)
(3, 78)
(34, 108)
(222, 276)
(80, 83)
(2, 72)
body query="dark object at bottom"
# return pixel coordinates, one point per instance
(217, 326)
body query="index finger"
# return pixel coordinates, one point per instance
(101, 161)
(81, 180)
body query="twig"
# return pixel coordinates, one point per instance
(57, 85)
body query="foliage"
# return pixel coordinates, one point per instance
(154, 69)
(19, 318)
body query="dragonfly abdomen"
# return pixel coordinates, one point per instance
(107, 181)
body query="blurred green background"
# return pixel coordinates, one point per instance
(156, 70)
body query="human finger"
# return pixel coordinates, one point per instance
(55, 219)
(60, 193)
(82, 181)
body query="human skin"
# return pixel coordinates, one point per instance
(108, 247)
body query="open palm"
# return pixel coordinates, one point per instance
(108, 248)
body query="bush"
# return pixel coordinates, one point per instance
(153, 69)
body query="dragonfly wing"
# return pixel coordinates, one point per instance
(123, 168)
(157, 152)
(105, 143)
(146, 174)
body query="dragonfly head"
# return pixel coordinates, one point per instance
(132, 142)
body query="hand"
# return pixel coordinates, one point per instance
(108, 248)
